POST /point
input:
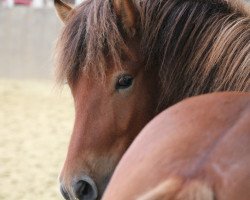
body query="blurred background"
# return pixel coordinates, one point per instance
(36, 118)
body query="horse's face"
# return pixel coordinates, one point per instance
(109, 114)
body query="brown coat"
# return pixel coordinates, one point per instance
(197, 149)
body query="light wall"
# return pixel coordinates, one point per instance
(27, 37)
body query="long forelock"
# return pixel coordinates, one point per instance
(89, 37)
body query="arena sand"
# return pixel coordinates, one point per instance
(35, 124)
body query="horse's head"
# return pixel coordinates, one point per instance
(115, 55)
(110, 110)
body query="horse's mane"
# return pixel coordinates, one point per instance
(199, 46)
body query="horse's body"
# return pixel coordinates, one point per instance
(127, 60)
(196, 150)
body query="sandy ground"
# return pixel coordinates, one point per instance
(35, 125)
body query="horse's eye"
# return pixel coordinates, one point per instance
(123, 82)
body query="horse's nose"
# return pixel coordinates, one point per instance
(82, 189)
(85, 189)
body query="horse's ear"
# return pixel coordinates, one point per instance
(128, 14)
(62, 9)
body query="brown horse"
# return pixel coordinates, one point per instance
(198, 149)
(125, 61)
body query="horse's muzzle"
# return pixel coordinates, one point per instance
(82, 189)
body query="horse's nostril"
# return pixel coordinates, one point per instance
(64, 193)
(85, 189)
(81, 189)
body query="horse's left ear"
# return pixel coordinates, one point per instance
(62, 9)
(128, 14)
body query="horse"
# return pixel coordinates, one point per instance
(126, 61)
(196, 150)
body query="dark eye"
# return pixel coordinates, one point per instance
(123, 82)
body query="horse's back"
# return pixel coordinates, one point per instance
(197, 149)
